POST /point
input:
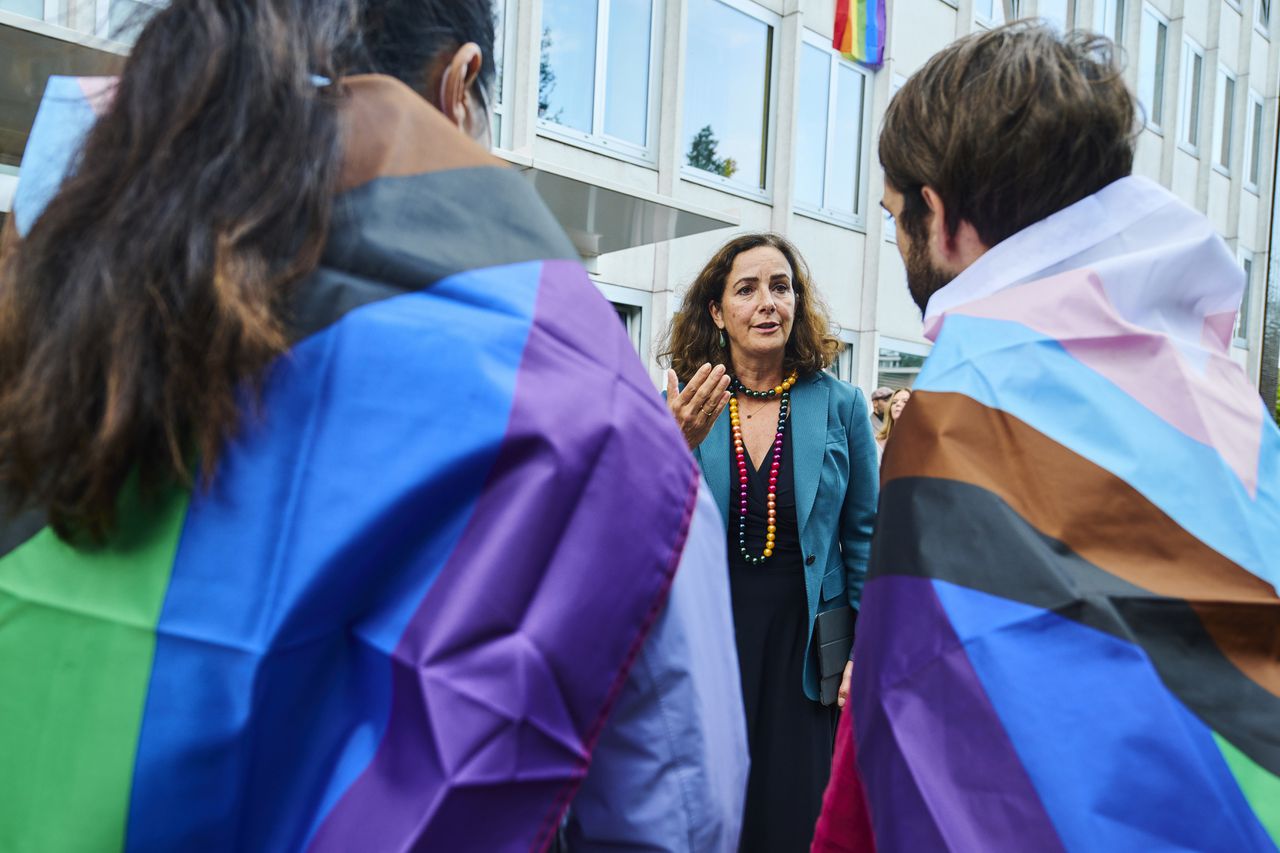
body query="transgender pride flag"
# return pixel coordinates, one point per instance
(400, 615)
(1070, 639)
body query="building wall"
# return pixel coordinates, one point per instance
(696, 56)
(854, 261)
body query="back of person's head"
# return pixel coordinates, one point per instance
(1008, 127)
(156, 283)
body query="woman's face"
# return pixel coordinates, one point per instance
(758, 304)
(898, 402)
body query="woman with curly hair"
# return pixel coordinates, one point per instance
(792, 465)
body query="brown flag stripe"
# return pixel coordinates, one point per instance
(1097, 515)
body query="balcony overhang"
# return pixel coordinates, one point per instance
(602, 217)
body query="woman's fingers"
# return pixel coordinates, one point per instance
(712, 386)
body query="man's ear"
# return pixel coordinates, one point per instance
(951, 251)
(455, 85)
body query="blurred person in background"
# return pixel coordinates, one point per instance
(893, 408)
(879, 399)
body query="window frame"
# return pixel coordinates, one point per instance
(996, 20)
(718, 182)
(858, 219)
(1240, 331)
(889, 225)
(1160, 81)
(638, 305)
(499, 107)
(1224, 119)
(1254, 123)
(597, 139)
(845, 367)
(1186, 124)
(1117, 19)
(1263, 26)
(1070, 15)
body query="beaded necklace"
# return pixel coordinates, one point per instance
(739, 451)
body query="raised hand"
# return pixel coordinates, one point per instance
(700, 403)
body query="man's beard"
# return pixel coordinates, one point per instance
(923, 278)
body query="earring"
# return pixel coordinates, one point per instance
(722, 341)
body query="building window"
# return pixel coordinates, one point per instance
(1253, 142)
(1262, 15)
(1108, 19)
(898, 369)
(845, 365)
(829, 141)
(1056, 12)
(989, 13)
(731, 49)
(1151, 64)
(498, 107)
(1192, 94)
(1241, 333)
(595, 75)
(1224, 118)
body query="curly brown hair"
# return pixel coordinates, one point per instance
(692, 339)
(1008, 127)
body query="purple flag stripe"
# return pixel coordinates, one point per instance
(914, 681)
(502, 679)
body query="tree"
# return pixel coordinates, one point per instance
(546, 79)
(702, 154)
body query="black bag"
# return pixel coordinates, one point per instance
(833, 632)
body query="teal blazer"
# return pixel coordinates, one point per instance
(837, 485)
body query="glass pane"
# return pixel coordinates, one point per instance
(991, 11)
(126, 18)
(1228, 116)
(729, 52)
(566, 72)
(1108, 19)
(499, 27)
(1255, 145)
(811, 116)
(1055, 12)
(846, 158)
(1242, 318)
(626, 98)
(898, 369)
(1193, 111)
(1264, 12)
(1151, 68)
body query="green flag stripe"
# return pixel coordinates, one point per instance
(1261, 788)
(77, 635)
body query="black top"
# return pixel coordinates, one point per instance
(787, 549)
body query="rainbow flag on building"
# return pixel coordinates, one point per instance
(860, 31)
(399, 616)
(1070, 638)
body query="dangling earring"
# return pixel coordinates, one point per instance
(722, 339)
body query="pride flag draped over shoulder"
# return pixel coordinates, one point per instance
(1070, 638)
(400, 616)
(860, 31)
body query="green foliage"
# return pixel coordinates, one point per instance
(702, 154)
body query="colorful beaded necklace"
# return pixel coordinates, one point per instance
(739, 451)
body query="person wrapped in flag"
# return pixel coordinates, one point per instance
(1070, 636)
(340, 513)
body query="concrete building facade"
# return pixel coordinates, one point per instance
(656, 129)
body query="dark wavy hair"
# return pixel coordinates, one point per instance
(153, 289)
(692, 339)
(1008, 127)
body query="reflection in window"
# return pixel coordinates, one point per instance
(1151, 65)
(989, 12)
(898, 369)
(1056, 13)
(1262, 14)
(1108, 19)
(26, 8)
(1242, 319)
(572, 74)
(830, 111)
(1192, 86)
(728, 80)
(566, 73)
(1253, 169)
(1226, 115)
